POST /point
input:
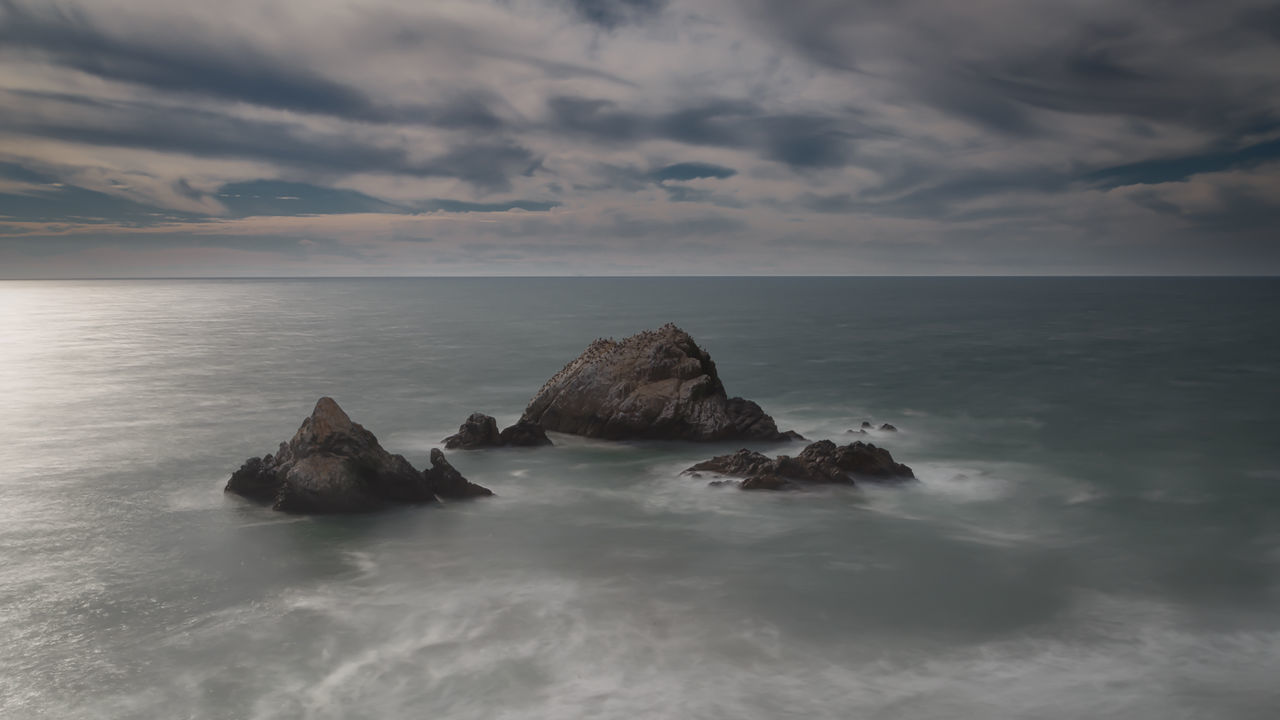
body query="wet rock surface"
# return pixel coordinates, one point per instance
(334, 465)
(821, 463)
(481, 431)
(657, 385)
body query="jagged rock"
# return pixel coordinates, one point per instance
(478, 431)
(524, 434)
(332, 465)
(481, 431)
(657, 384)
(448, 483)
(822, 462)
(888, 428)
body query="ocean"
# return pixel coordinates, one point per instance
(1095, 533)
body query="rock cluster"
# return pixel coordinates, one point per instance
(655, 385)
(821, 463)
(481, 431)
(334, 465)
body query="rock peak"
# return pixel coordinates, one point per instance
(327, 419)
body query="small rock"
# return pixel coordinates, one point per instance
(822, 462)
(888, 428)
(478, 431)
(446, 482)
(524, 434)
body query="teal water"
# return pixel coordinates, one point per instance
(1096, 533)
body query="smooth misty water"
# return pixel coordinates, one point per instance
(1096, 533)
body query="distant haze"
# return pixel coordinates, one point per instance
(553, 137)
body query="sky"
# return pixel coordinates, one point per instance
(638, 137)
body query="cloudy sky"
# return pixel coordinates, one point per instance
(531, 137)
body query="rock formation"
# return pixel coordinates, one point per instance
(478, 431)
(448, 483)
(333, 465)
(524, 434)
(821, 463)
(657, 385)
(481, 431)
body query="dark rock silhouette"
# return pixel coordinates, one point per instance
(888, 428)
(524, 434)
(478, 431)
(481, 431)
(657, 384)
(821, 463)
(334, 465)
(448, 483)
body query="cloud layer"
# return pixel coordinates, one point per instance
(639, 136)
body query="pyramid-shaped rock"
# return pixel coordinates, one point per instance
(657, 385)
(334, 465)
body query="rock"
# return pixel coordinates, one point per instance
(859, 431)
(888, 428)
(821, 463)
(446, 482)
(657, 385)
(524, 434)
(478, 431)
(481, 431)
(332, 465)
(866, 425)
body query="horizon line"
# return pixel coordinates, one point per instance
(624, 277)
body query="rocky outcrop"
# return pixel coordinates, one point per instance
(657, 385)
(448, 483)
(481, 431)
(821, 463)
(334, 465)
(524, 434)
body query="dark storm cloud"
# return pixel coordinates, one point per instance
(51, 201)
(47, 200)
(1171, 169)
(182, 63)
(797, 140)
(1150, 59)
(489, 165)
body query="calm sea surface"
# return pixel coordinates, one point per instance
(1096, 533)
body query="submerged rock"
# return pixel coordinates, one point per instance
(481, 431)
(657, 384)
(334, 465)
(821, 463)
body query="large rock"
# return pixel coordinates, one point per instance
(333, 465)
(481, 431)
(657, 384)
(821, 463)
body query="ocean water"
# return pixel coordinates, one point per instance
(1096, 533)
